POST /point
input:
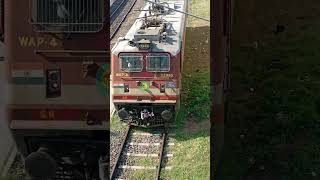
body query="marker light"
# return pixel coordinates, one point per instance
(126, 87)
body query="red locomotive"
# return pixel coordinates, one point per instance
(146, 66)
(57, 54)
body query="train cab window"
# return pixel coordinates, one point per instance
(67, 15)
(158, 63)
(131, 63)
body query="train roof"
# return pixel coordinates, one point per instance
(174, 31)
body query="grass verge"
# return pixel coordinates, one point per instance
(273, 126)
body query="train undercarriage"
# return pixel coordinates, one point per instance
(146, 114)
(62, 155)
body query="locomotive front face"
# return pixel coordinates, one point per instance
(57, 57)
(57, 62)
(146, 66)
(145, 87)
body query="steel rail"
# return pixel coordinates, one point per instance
(162, 144)
(122, 20)
(116, 10)
(119, 154)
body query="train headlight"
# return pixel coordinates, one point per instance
(126, 87)
(162, 88)
(53, 83)
(144, 44)
(123, 114)
(166, 115)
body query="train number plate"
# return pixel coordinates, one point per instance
(166, 75)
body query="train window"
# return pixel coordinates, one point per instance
(131, 63)
(158, 63)
(67, 15)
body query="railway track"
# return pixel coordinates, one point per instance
(118, 13)
(137, 148)
(115, 9)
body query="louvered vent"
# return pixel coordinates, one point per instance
(68, 16)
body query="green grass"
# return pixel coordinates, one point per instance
(280, 118)
(145, 174)
(142, 175)
(191, 159)
(116, 124)
(199, 8)
(147, 161)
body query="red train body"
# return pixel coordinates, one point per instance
(57, 53)
(146, 67)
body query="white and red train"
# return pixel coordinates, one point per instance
(57, 52)
(146, 66)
